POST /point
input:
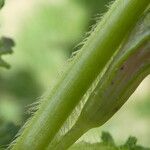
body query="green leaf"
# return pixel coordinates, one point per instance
(7, 130)
(2, 2)
(6, 45)
(107, 138)
(131, 142)
(106, 144)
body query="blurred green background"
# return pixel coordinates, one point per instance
(46, 33)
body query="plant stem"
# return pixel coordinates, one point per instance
(110, 94)
(130, 65)
(81, 73)
(71, 137)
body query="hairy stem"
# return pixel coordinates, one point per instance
(83, 70)
(129, 67)
(108, 100)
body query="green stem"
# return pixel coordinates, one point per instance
(116, 86)
(129, 67)
(84, 69)
(71, 137)
(106, 100)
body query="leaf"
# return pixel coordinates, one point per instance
(6, 45)
(7, 130)
(107, 138)
(2, 2)
(131, 142)
(107, 143)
